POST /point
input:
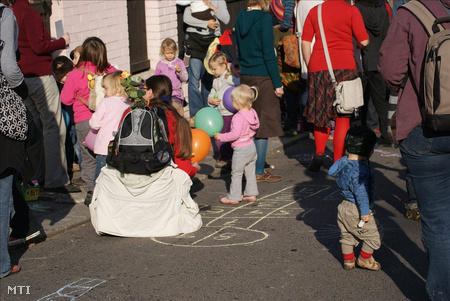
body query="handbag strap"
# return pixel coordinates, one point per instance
(325, 47)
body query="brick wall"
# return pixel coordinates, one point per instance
(161, 18)
(108, 20)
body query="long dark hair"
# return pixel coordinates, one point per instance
(94, 51)
(162, 88)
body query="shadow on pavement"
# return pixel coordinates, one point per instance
(400, 257)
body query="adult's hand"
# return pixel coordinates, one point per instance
(363, 44)
(213, 24)
(196, 165)
(209, 4)
(279, 92)
(66, 38)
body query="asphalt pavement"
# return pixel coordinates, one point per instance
(283, 247)
(58, 212)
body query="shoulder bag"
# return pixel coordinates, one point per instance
(349, 94)
(13, 113)
(290, 46)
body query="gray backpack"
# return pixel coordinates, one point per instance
(141, 146)
(436, 67)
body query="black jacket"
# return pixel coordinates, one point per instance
(376, 20)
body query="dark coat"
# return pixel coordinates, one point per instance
(376, 21)
(22, 156)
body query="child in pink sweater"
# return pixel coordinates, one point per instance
(106, 117)
(93, 58)
(243, 127)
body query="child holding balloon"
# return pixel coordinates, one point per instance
(225, 77)
(243, 127)
(159, 91)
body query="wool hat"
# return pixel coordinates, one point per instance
(360, 140)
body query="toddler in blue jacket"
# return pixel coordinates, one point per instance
(355, 216)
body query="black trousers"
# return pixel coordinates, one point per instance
(376, 90)
(23, 222)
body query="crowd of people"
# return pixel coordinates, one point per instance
(372, 39)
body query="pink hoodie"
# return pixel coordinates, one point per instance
(106, 119)
(77, 84)
(243, 127)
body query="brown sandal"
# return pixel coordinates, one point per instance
(368, 263)
(349, 264)
(267, 177)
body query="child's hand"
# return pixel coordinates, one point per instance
(279, 92)
(214, 101)
(365, 218)
(217, 136)
(196, 165)
(178, 68)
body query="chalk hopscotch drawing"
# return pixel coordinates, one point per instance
(334, 196)
(73, 290)
(233, 226)
(384, 153)
(309, 157)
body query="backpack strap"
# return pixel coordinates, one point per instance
(425, 17)
(83, 100)
(88, 71)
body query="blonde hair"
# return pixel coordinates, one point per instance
(168, 44)
(112, 82)
(220, 58)
(263, 3)
(244, 95)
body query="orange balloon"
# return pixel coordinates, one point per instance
(201, 144)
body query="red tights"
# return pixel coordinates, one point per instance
(321, 137)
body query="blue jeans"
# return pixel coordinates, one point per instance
(427, 157)
(6, 212)
(76, 146)
(261, 150)
(197, 73)
(101, 161)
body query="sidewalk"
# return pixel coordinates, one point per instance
(59, 212)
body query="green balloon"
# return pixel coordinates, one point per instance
(209, 120)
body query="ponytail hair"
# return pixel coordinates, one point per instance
(220, 58)
(244, 95)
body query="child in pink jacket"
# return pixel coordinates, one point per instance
(106, 117)
(93, 58)
(243, 127)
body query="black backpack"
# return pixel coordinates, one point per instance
(141, 145)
